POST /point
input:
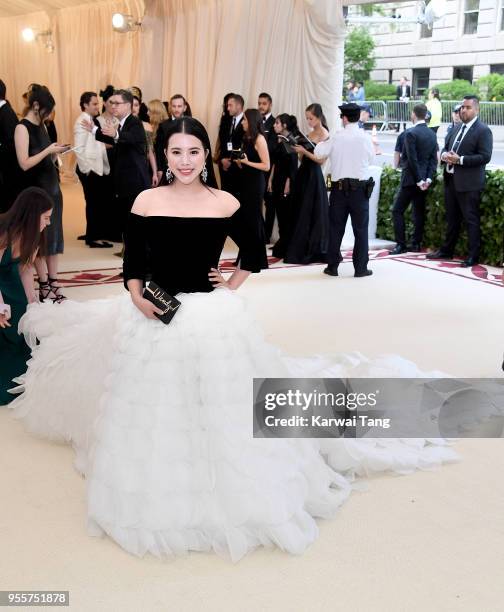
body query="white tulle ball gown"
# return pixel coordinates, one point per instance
(160, 416)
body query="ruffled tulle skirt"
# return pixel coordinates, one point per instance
(160, 418)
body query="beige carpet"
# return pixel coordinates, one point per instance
(430, 541)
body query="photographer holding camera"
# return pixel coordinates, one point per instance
(252, 161)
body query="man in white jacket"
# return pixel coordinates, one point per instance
(92, 168)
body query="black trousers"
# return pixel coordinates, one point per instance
(355, 204)
(404, 196)
(461, 205)
(96, 205)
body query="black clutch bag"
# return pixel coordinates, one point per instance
(163, 300)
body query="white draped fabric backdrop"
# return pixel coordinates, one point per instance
(203, 49)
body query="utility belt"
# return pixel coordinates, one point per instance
(350, 184)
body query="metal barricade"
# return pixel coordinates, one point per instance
(400, 112)
(491, 113)
(378, 114)
(386, 115)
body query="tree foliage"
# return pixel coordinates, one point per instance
(359, 56)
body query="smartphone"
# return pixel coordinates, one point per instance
(68, 150)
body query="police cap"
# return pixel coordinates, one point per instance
(350, 110)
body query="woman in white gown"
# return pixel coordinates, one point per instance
(160, 416)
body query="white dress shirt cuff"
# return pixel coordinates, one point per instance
(461, 161)
(95, 128)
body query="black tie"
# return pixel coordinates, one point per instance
(233, 126)
(456, 144)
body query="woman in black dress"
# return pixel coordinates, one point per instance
(110, 229)
(36, 155)
(254, 162)
(309, 198)
(160, 415)
(281, 180)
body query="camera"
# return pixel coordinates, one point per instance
(237, 153)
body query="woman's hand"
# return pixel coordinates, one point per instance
(299, 149)
(155, 180)
(87, 125)
(216, 278)
(5, 315)
(57, 149)
(242, 160)
(147, 308)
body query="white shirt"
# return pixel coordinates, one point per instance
(2, 102)
(266, 117)
(350, 152)
(90, 153)
(449, 168)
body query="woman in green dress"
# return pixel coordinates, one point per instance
(21, 236)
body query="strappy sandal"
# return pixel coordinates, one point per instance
(44, 290)
(55, 290)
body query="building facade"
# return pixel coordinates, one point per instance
(466, 44)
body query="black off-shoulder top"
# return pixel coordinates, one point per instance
(177, 253)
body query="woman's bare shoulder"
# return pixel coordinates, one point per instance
(227, 202)
(146, 200)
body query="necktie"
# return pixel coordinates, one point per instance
(456, 145)
(233, 126)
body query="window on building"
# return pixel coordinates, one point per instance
(501, 20)
(463, 72)
(420, 81)
(497, 68)
(390, 76)
(471, 13)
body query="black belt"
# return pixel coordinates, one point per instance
(348, 184)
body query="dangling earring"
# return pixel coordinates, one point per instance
(204, 174)
(169, 174)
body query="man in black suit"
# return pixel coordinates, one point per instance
(403, 94)
(418, 163)
(177, 108)
(229, 171)
(264, 104)
(130, 169)
(464, 157)
(11, 177)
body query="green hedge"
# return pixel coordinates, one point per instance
(492, 215)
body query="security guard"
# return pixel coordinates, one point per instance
(350, 151)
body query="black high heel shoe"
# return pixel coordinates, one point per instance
(44, 290)
(55, 290)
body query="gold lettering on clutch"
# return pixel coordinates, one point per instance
(158, 295)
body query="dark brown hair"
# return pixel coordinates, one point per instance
(41, 95)
(22, 223)
(255, 124)
(316, 109)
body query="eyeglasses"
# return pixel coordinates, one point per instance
(117, 103)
